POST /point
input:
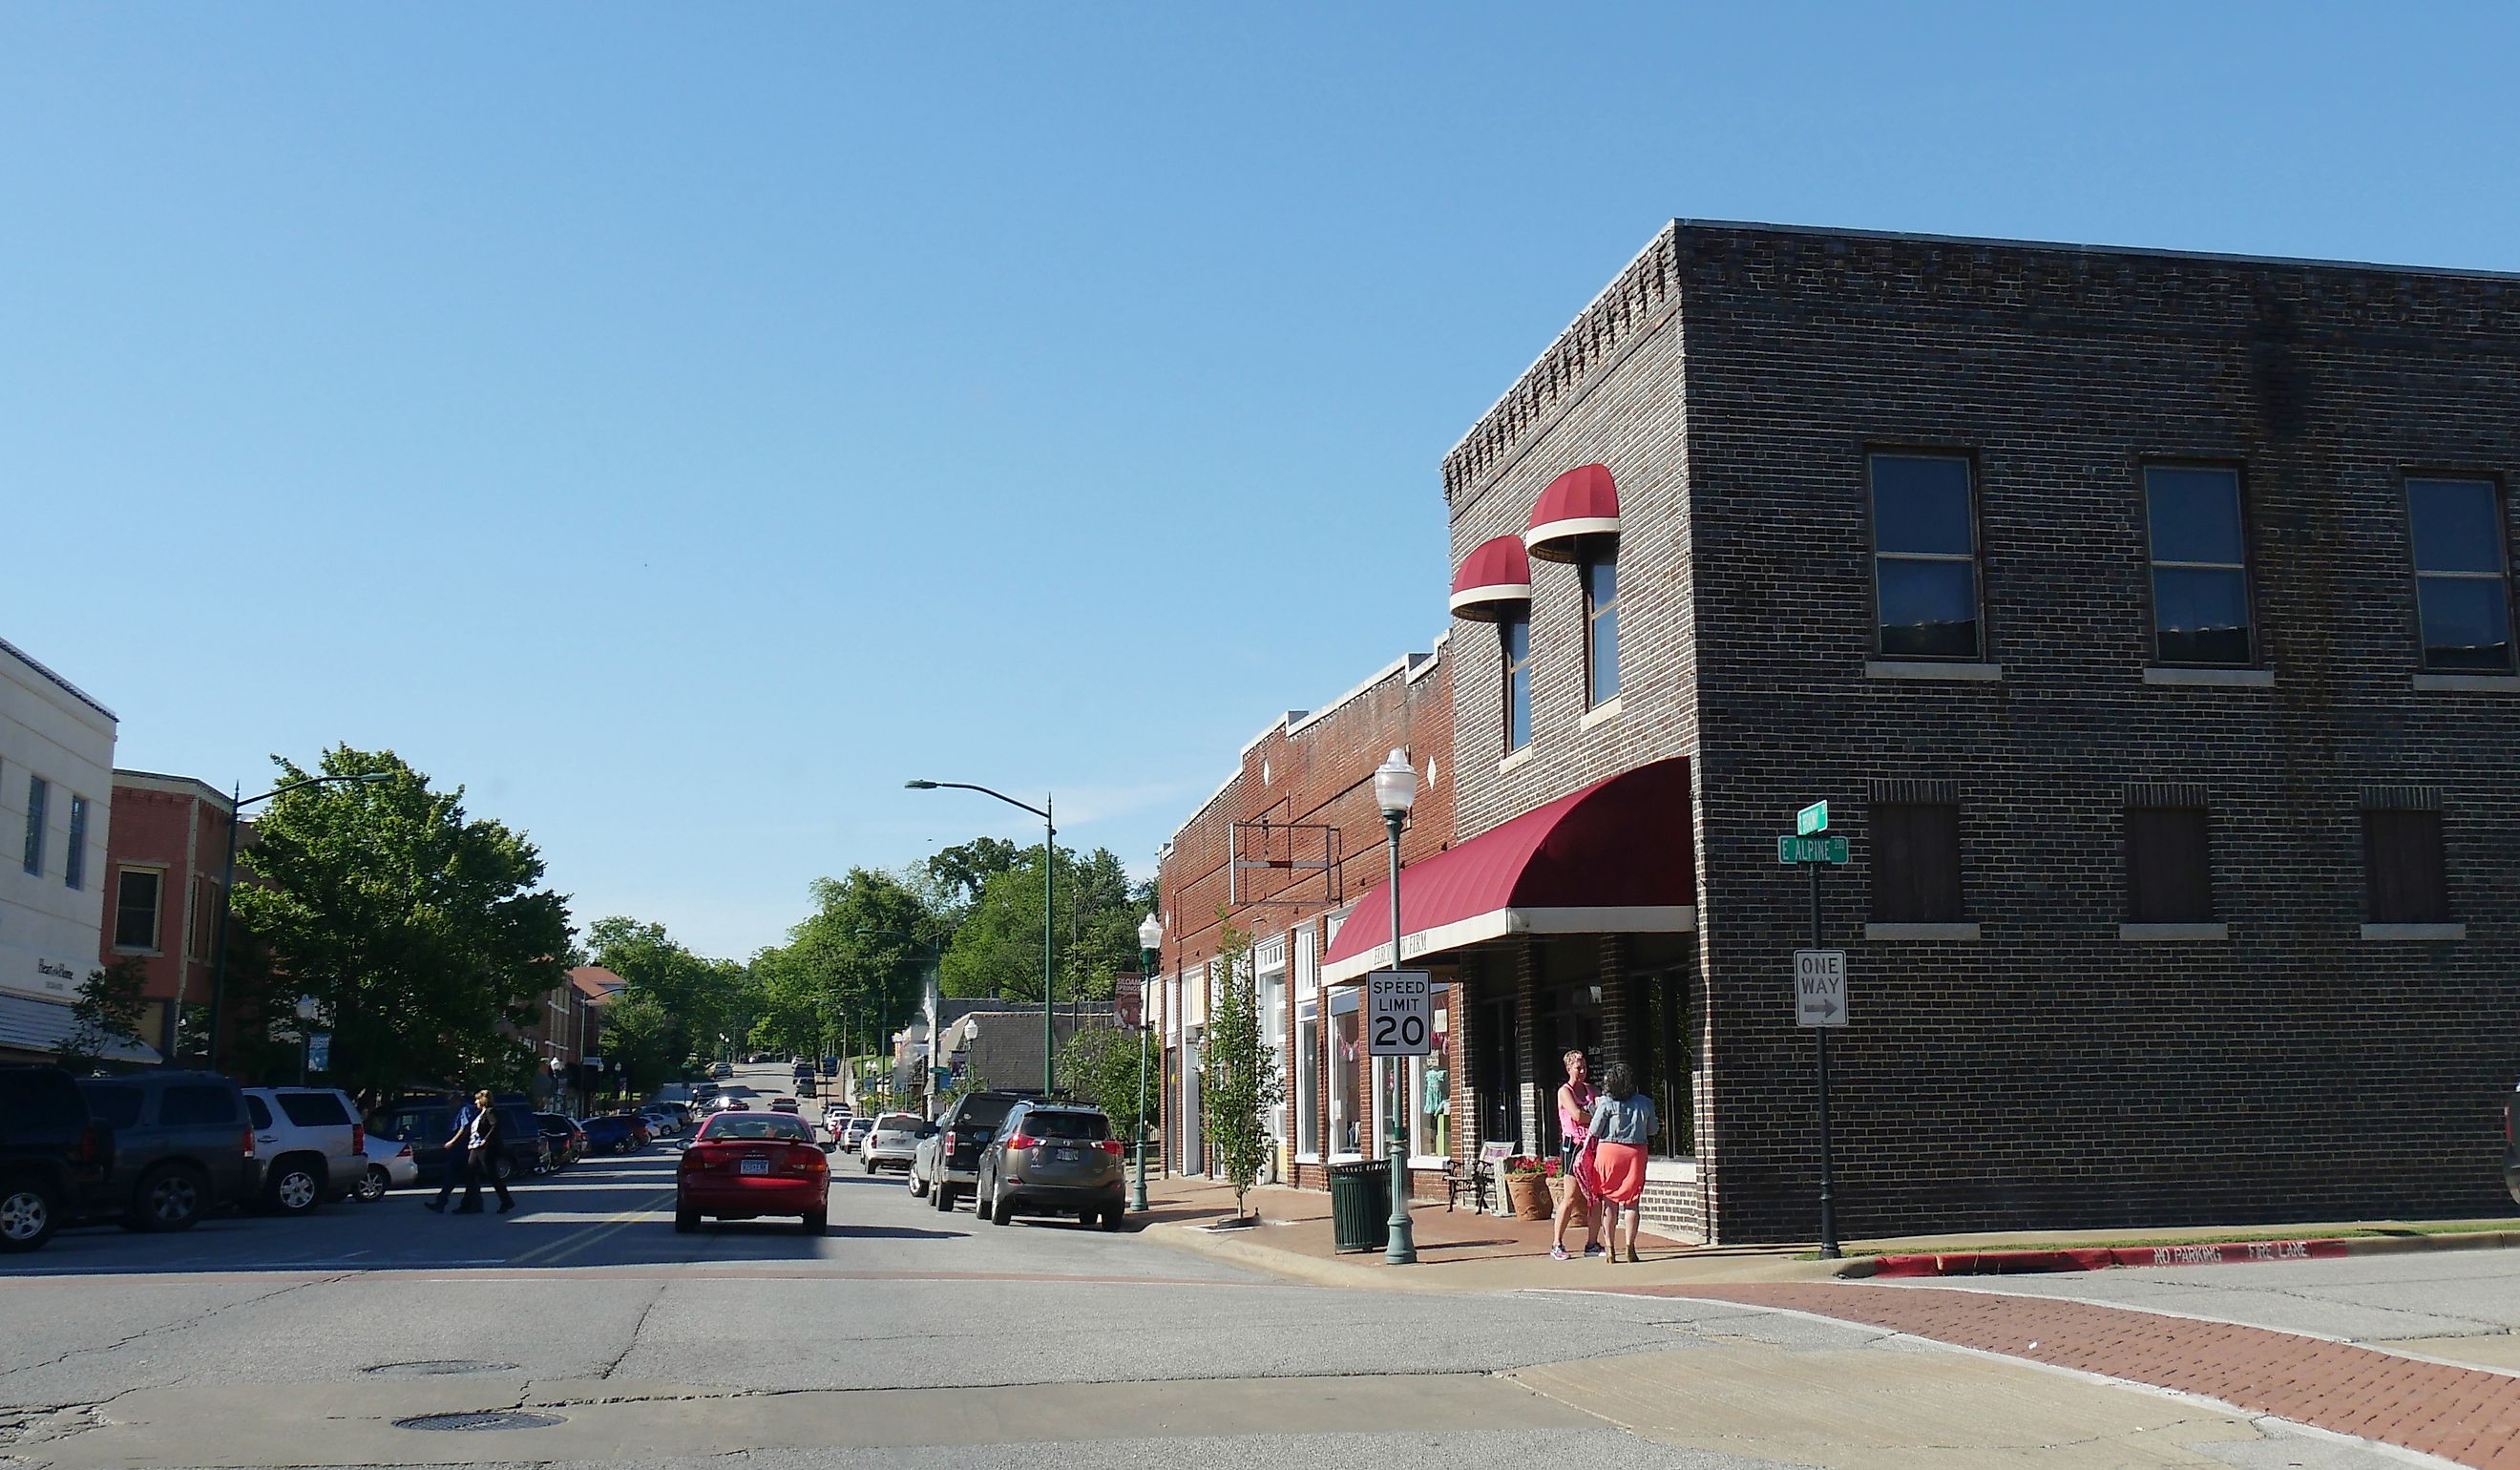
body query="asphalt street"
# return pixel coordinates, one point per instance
(906, 1337)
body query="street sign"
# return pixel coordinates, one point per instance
(319, 1051)
(1820, 987)
(1398, 1016)
(1811, 849)
(1812, 818)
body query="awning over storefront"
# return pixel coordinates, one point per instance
(1613, 858)
(1583, 502)
(33, 1024)
(1494, 582)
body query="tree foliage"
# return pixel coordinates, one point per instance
(1102, 1063)
(852, 973)
(417, 931)
(997, 947)
(1237, 1078)
(106, 1013)
(673, 1007)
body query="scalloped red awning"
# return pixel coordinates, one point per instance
(1583, 502)
(1613, 858)
(1494, 580)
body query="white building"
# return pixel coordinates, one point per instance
(56, 797)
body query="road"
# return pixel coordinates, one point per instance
(903, 1337)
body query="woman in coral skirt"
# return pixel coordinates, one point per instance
(1623, 1119)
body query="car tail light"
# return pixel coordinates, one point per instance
(245, 1141)
(91, 1144)
(695, 1159)
(949, 1142)
(1112, 1147)
(403, 1153)
(1023, 1140)
(358, 1138)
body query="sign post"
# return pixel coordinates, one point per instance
(1819, 988)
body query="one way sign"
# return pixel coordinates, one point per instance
(1820, 987)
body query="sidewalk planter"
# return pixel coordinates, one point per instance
(1360, 1206)
(1530, 1197)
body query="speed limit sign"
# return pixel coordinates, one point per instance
(1397, 1013)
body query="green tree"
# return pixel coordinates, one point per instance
(854, 969)
(674, 1004)
(996, 948)
(107, 1013)
(419, 932)
(959, 873)
(1237, 1076)
(1101, 1063)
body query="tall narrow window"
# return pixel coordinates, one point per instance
(1515, 633)
(1916, 862)
(2405, 879)
(1924, 557)
(2462, 583)
(1308, 1078)
(37, 790)
(135, 909)
(2170, 873)
(2200, 578)
(1601, 573)
(75, 862)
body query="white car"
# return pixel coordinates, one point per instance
(662, 1121)
(892, 1142)
(308, 1146)
(391, 1166)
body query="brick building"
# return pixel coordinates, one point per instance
(2145, 620)
(164, 862)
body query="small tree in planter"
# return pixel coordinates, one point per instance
(105, 1015)
(1237, 1074)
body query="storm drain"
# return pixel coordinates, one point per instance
(437, 1367)
(496, 1419)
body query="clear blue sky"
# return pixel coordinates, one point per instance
(681, 424)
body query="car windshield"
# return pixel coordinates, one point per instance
(983, 1111)
(754, 1125)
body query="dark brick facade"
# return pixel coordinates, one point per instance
(2049, 1072)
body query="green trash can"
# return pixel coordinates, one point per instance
(1360, 1206)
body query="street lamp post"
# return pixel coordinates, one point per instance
(237, 802)
(1151, 938)
(1049, 911)
(1395, 792)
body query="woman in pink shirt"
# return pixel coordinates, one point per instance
(1575, 1099)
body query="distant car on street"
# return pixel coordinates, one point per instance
(741, 1166)
(891, 1142)
(782, 1104)
(426, 1120)
(180, 1148)
(562, 1136)
(309, 1144)
(852, 1132)
(1052, 1158)
(722, 1070)
(614, 1132)
(662, 1121)
(391, 1164)
(52, 1149)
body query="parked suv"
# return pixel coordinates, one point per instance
(310, 1145)
(426, 1121)
(52, 1150)
(948, 1161)
(892, 1142)
(180, 1148)
(1051, 1158)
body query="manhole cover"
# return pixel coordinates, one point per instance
(497, 1418)
(436, 1367)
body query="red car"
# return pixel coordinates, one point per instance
(744, 1165)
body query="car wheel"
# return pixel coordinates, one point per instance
(918, 1185)
(503, 1168)
(869, 1168)
(944, 1199)
(1002, 1209)
(169, 1198)
(818, 1222)
(28, 1215)
(296, 1188)
(1112, 1219)
(686, 1220)
(374, 1183)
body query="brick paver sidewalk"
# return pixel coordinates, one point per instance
(2465, 1415)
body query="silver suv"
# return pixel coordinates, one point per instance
(310, 1145)
(1051, 1158)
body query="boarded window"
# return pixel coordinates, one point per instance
(2401, 863)
(1916, 862)
(2170, 874)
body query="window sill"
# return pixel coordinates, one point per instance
(1671, 1171)
(1961, 673)
(1429, 1161)
(1514, 760)
(2467, 684)
(1598, 713)
(2229, 679)
(2175, 933)
(2414, 931)
(1308, 1158)
(146, 953)
(1962, 932)
(1347, 1158)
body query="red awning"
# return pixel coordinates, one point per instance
(1613, 858)
(1581, 502)
(1494, 582)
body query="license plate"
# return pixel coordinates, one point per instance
(1067, 1156)
(755, 1165)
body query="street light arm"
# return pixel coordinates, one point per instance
(957, 785)
(314, 781)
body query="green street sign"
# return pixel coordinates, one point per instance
(1812, 818)
(1792, 850)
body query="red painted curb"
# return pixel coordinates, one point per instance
(2102, 1257)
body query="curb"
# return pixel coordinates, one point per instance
(2194, 1253)
(1293, 1266)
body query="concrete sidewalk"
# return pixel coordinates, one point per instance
(1461, 1250)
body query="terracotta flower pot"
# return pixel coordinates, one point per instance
(1529, 1196)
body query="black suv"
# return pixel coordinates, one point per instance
(426, 1121)
(1050, 1158)
(949, 1148)
(180, 1147)
(52, 1152)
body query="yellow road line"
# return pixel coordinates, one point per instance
(586, 1235)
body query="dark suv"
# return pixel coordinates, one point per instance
(425, 1122)
(180, 1147)
(949, 1149)
(1050, 1158)
(52, 1152)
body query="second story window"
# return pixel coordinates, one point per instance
(1601, 572)
(2170, 866)
(2200, 579)
(1916, 862)
(2462, 583)
(75, 862)
(37, 790)
(1515, 633)
(1924, 557)
(135, 909)
(2405, 879)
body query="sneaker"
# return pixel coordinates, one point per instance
(439, 1205)
(506, 1205)
(1558, 1253)
(1594, 1248)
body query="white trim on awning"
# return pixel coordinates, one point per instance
(1498, 923)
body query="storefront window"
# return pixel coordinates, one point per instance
(1347, 1047)
(1666, 1056)
(1430, 1086)
(1308, 1079)
(1272, 998)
